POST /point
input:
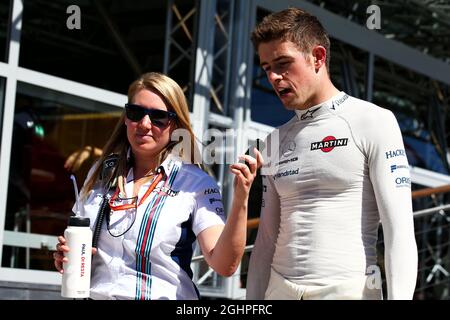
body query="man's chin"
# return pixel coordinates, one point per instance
(289, 106)
(287, 103)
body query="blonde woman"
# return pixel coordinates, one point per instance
(159, 203)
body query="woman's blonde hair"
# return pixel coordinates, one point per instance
(172, 95)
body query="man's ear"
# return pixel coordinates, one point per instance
(319, 54)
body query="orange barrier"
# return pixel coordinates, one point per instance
(429, 191)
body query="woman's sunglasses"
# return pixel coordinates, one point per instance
(159, 118)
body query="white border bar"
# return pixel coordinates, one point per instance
(8, 111)
(29, 240)
(30, 276)
(71, 87)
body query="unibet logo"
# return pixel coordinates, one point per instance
(328, 144)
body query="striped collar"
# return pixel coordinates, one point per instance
(167, 165)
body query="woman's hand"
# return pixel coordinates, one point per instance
(59, 255)
(244, 175)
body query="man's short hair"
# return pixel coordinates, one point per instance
(295, 25)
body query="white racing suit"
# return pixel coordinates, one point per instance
(341, 167)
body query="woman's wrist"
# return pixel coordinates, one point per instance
(240, 198)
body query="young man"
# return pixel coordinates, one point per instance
(341, 168)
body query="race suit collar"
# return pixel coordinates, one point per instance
(322, 108)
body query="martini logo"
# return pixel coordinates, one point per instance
(328, 143)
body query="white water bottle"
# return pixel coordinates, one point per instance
(76, 279)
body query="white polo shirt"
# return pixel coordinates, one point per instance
(152, 260)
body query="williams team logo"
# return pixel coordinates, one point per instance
(328, 144)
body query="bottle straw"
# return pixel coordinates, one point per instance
(75, 187)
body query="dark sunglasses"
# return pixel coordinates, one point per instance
(159, 118)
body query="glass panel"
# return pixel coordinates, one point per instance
(4, 22)
(48, 127)
(117, 40)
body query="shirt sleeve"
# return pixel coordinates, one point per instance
(264, 248)
(390, 177)
(209, 207)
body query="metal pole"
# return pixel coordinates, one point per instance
(369, 76)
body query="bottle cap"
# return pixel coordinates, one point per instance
(76, 221)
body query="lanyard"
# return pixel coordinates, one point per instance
(133, 205)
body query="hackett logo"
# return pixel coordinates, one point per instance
(329, 143)
(211, 191)
(395, 153)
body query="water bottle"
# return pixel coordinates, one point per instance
(76, 279)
